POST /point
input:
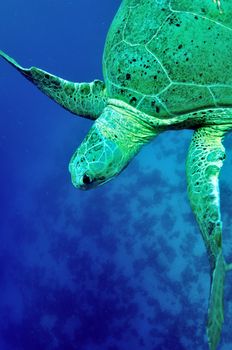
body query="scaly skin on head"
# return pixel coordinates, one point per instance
(114, 139)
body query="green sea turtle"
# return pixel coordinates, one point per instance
(167, 65)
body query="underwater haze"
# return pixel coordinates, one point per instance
(120, 267)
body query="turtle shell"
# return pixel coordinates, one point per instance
(170, 57)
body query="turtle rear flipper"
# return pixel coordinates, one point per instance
(205, 159)
(216, 307)
(85, 99)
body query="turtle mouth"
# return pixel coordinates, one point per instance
(80, 180)
(85, 182)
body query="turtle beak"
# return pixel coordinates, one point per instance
(82, 182)
(86, 182)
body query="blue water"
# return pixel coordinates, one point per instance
(117, 268)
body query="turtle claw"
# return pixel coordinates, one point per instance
(218, 2)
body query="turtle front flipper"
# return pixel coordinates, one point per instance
(204, 161)
(85, 99)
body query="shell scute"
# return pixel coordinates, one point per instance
(135, 68)
(205, 8)
(153, 106)
(140, 31)
(192, 51)
(222, 95)
(176, 96)
(130, 97)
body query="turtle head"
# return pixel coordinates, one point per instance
(96, 161)
(105, 152)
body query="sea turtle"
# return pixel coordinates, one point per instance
(167, 65)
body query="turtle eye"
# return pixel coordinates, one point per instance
(86, 180)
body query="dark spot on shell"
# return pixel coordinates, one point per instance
(133, 99)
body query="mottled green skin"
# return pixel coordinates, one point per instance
(109, 146)
(86, 99)
(167, 65)
(204, 161)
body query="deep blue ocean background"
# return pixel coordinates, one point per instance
(117, 268)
